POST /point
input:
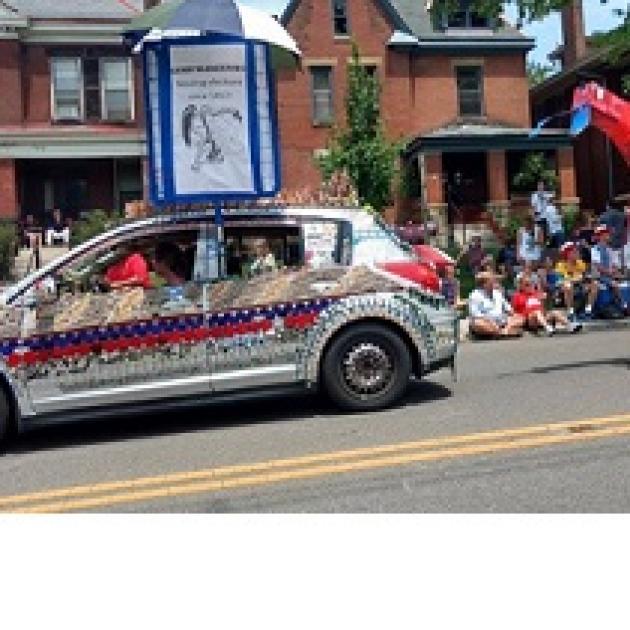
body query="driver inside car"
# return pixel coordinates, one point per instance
(131, 270)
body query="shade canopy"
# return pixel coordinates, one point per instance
(196, 18)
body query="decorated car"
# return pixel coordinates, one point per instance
(170, 310)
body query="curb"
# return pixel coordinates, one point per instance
(592, 326)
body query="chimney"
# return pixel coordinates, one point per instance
(573, 32)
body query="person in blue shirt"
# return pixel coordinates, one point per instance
(604, 266)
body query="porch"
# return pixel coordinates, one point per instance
(466, 176)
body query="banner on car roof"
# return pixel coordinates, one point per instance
(211, 121)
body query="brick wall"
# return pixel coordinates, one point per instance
(418, 92)
(36, 79)
(10, 83)
(8, 189)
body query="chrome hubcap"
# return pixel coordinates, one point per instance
(367, 369)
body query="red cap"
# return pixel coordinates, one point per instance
(602, 229)
(569, 246)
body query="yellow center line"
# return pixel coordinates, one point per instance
(318, 471)
(377, 451)
(274, 471)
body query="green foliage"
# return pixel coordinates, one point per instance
(538, 72)
(361, 148)
(570, 217)
(534, 168)
(95, 222)
(528, 10)
(8, 241)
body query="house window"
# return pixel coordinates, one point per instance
(116, 93)
(92, 88)
(464, 16)
(67, 88)
(470, 90)
(323, 111)
(340, 17)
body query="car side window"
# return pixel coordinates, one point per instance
(133, 277)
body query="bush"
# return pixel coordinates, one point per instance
(8, 241)
(95, 222)
(534, 168)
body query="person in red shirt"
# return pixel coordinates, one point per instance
(529, 302)
(132, 270)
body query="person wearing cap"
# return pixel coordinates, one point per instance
(491, 315)
(574, 281)
(529, 303)
(604, 268)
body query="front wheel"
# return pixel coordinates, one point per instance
(366, 367)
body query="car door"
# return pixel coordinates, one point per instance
(90, 348)
(279, 272)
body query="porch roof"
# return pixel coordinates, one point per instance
(462, 138)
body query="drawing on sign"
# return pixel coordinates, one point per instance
(211, 133)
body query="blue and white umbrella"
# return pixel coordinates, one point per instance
(195, 18)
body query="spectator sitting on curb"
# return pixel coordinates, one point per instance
(450, 287)
(474, 254)
(507, 258)
(528, 302)
(491, 316)
(604, 268)
(574, 282)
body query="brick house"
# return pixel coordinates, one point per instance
(601, 172)
(70, 114)
(453, 87)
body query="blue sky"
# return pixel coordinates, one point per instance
(547, 33)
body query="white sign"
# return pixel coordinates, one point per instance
(210, 120)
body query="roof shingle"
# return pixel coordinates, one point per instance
(91, 9)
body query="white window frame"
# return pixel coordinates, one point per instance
(130, 88)
(312, 69)
(53, 100)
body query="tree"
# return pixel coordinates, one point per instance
(538, 72)
(361, 148)
(534, 168)
(528, 10)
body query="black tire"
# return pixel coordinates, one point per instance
(366, 367)
(5, 420)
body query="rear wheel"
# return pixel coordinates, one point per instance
(366, 367)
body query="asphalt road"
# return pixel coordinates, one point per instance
(424, 456)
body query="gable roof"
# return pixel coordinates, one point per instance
(388, 6)
(414, 28)
(71, 9)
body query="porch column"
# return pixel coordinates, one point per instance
(8, 190)
(434, 195)
(498, 197)
(566, 176)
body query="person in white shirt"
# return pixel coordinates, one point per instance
(555, 227)
(539, 202)
(527, 249)
(491, 316)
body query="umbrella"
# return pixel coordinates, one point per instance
(433, 256)
(195, 18)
